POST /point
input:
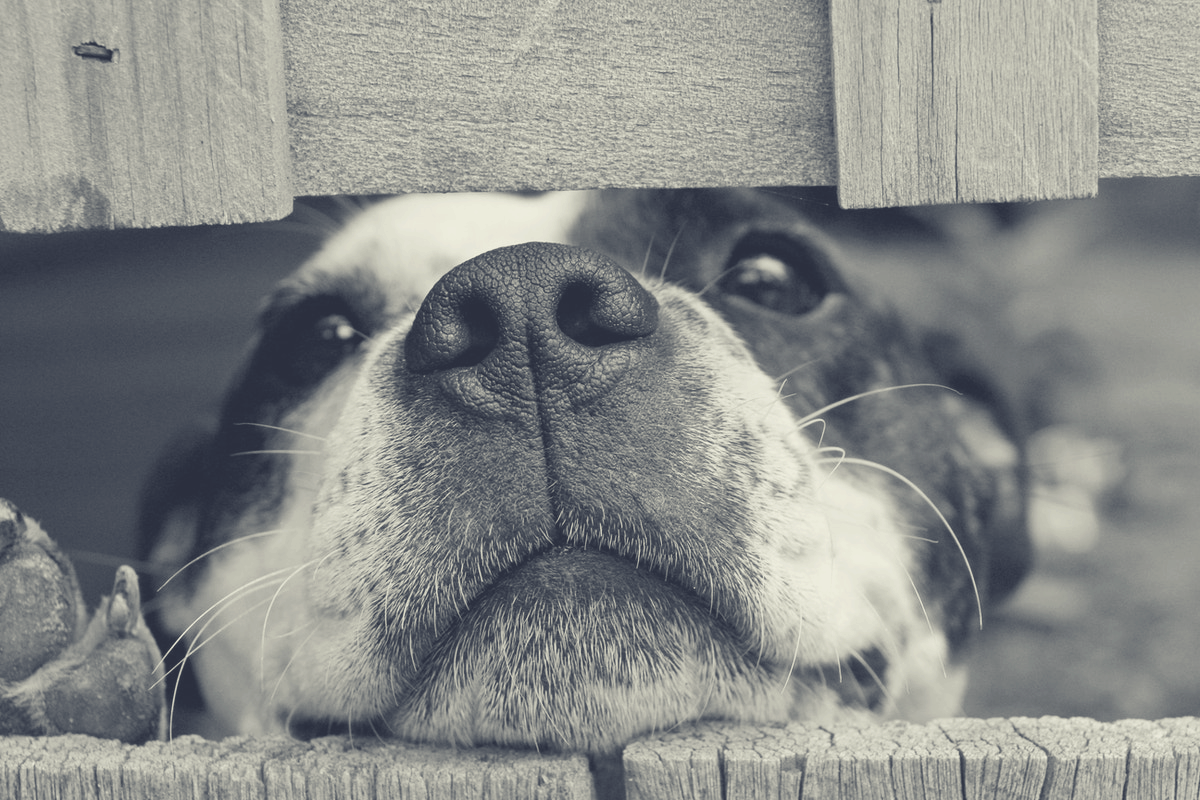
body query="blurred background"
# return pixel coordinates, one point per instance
(110, 341)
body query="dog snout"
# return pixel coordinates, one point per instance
(525, 323)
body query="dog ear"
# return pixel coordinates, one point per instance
(993, 430)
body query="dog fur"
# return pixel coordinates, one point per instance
(558, 470)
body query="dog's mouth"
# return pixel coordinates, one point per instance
(570, 595)
(575, 645)
(584, 647)
(565, 572)
(565, 581)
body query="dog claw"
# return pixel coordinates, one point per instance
(124, 607)
(60, 673)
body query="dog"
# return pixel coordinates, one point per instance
(556, 470)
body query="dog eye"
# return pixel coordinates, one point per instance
(313, 349)
(776, 273)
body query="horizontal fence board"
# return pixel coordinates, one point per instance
(190, 768)
(151, 113)
(1045, 758)
(419, 96)
(387, 96)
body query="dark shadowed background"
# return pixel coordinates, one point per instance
(109, 340)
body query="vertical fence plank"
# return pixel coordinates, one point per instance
(136, 113)
(941, 101)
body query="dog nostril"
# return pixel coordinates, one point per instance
(460, 335)
(577, 316)
(479, 334)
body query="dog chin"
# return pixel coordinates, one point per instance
(582, 650)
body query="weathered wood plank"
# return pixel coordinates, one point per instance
(137, 113)
(1085, 758)
(972, 759)
(149, 112)
(964, 100)
(1184, 733)
(388, 96)
(190, 768)
(444, 96)
(1149, 88)
(996, 760)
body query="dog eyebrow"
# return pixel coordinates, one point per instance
(359, 290)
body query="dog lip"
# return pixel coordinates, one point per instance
(569, 550)
(571, 572)
(560, 577)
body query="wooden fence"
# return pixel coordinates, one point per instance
(1039, 759)
(155, 112)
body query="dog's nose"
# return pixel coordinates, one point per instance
(528, 322)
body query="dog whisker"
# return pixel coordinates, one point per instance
(199, 640)
(775, 399)
(277, 453)
(267, 616)
(291, 659)
(824, 429)
(262, 582)
(887, 694)
(822, 410)
(371, 723)
(662, 273)
(795, 657)
(892, 646)
(193, 647)
(287, 722)
(706, 287)
(794, 370)
(832, 454)
(778, 398)
(220, 547)
(646, 258)
(862, 462)
(924, 611)
(281, 429)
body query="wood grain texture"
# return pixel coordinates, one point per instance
(1149, 88)
(964, 100)
(186, 121)
(449, 96)
(137, 113)
(190, 768)
(971, 759)
(560, 94)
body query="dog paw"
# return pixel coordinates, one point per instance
(60, 672)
